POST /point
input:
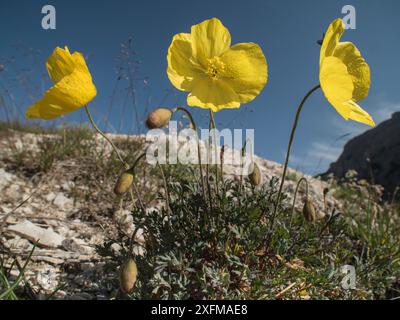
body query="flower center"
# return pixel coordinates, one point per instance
(214, 67)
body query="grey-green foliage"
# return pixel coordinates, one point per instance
(237, 249)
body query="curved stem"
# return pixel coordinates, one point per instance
(221, 159)
(216, 150)
(296, 120)
(166, 193)
(198, 146)
(104, 136)
(132, 171)
(295, 195)
(132, 239)
(394, 195)
(243, 152)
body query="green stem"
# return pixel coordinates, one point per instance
(208, 165)
(221, 159)
(167, 197)
(216, 150)
(20, 276)
(198, 146)
(295, 195)
(104, 136)
(132, 171)
(242, 153)
(132, 239)
(296, 120)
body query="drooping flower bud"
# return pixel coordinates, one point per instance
(123, 184)
(309, 210)
(159, 118)
(127, 276)
(255, 175)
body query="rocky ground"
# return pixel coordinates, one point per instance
(70, 218)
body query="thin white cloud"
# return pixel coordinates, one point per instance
(321, 154)
(316, 158)
(385, 111)
(324, 151)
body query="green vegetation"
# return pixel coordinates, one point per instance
(229, 245)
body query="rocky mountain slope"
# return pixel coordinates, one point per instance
(374, 155)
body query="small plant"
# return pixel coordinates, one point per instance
(7, 287)
(190, 251)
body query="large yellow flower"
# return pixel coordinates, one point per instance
(344, 75)
(73, 86)
(216, 75)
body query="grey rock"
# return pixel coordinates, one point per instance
(50, 260)
(50, 196)
(77, 245)
(5, 178)
(45, 237)
(62, 201)
(375, 155)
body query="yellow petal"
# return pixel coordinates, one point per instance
(68, 94)
(331, 38)
(60, 64)
(212, 94)
(80, 63)
(245, 70)
(210, 38)
(181, 65)
(73, 86)
(358, 114)
(338, 86)
(348, 53)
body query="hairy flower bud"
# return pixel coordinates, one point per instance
(255, 175)
(127, 276)
(123, 184)
(159, 118)
(309, 210)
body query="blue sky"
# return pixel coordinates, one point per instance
(286, 30)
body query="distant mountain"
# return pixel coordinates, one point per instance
(375, 155)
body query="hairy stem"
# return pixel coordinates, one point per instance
(296, 120)
(167, 197)
(216, 150)
(295, 195)
(104, 136)
(198, 146)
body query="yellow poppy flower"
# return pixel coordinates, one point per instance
(217, 75)
(73, 86)
(344, 75)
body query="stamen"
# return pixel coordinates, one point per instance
(215, 67)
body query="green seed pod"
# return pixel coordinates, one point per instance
(127, 276)
(123, 184)
(309, 211)
(255, 175)
(159, 118)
